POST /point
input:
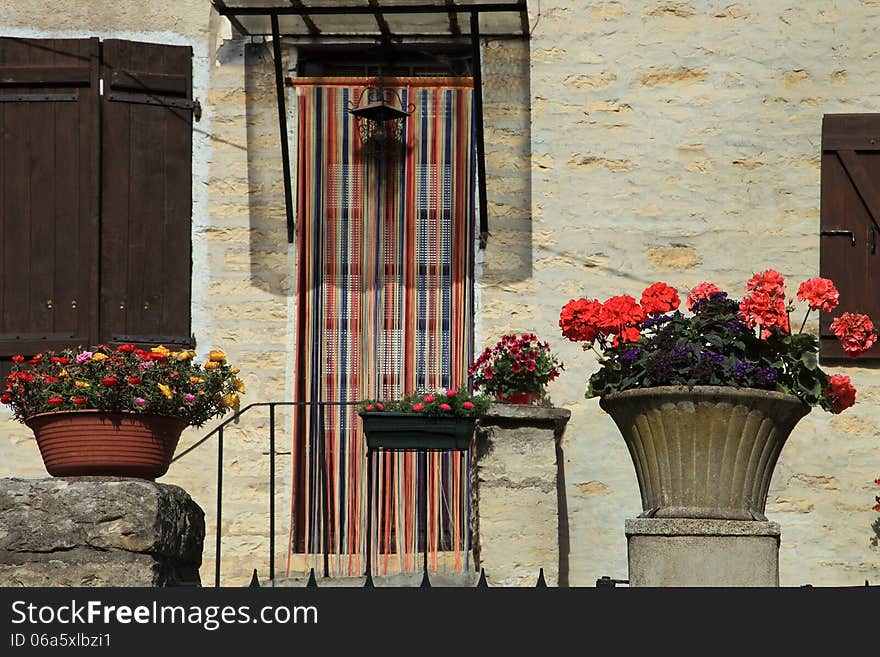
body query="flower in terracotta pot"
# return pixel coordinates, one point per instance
(126, 379)
(517, 369)
(722, 342)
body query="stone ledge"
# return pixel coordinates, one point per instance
(520, 414)
(700, 527)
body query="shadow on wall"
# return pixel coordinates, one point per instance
(268, 223)
(507, 121)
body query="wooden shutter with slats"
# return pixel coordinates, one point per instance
(850, 219)
(147, 193)
(49, 195)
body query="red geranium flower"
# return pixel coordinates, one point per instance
(820, 293)
(80, 401)
(36, 359)
(700, 292)
(841, 392)
(126, 348)
(54, 401)
(445, 407)
(18, 358)
(5, 397)
(855, 332)
(620, 312)
(379, 406)
(60, 360)
(660, 298)
(770, 282)
(451, 393)
(468, 405)
(579, 320)
(418, 407)
(428, 399)
(109, 381)
(368, 407)
(135, 380)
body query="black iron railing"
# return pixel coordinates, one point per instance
(218, 432)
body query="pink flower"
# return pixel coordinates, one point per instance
(428, 399)
(770, 282)
(700, 292)
(530, 365)
(445, 407)
(189, 397)
(379, 406)
(451, 393)
(468, 405)
(84, 357)
(369, 407)
(855, 332)
(820, 293)
(140, 401)
(515, 367)
(418, 407)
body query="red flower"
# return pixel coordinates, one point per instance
(628, 334)
(445, 407)
(109, 381)
(155, 355)
(50, 379)
(143, 355)
(855, 332)
(841, 392)
(516, 367)
(80, 401)
(700, 292)
(530, 365)
(379, 406)
(18, 358)
(764, 310)
(468, 405)
(579, 320)
(27, 377)
(5, 397)
(36, 359)
(60, 360)
(135, 380)
(428, 399)
(618, 313)
(54, 401)
(418, 407)
(451, 393)
(770, 282)
(820, 293)
(368, 408)
(660, 298)
(126, 348)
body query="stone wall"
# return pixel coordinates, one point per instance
(680, 141)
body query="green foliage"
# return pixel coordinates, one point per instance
(459, 404)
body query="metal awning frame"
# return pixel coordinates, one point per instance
(451, 8)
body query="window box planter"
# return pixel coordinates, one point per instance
(413, 431)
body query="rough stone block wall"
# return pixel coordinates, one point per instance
(680, 141)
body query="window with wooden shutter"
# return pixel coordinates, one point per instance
(147, 193)
(850, 219)
(49, 200)
(95, 194)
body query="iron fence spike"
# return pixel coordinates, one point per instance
(312, 583)
(482, 584)
(426, 582)
(542, 583)
(255, 581)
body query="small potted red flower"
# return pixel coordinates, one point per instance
(516, 370)
(433, 420)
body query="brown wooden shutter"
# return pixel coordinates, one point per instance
(147, 193)
(850, 219)
(49, 201)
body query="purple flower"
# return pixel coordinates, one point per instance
(681, 352)
(84, 357)
(655, 321)
(189, 397)
(632, 354)
(711, 357)
(140, 401)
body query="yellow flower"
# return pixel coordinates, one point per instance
(165, 390)
(212, 365)
(230, 401)
(63, 374)
(81, 384)
(217, 356)
(161, 349)
(234, 369)
(187, 354)
(99, 357)
(238, 385)
(196, 379)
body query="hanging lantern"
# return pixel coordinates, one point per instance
(380, 115)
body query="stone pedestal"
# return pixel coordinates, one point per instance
(689, 552)
(516, 493)
(98, 531)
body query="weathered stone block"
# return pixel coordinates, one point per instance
(516, 494)
(98, 531)
(688, 552)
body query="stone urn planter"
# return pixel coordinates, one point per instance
(100, 443)
(413, 431)
(705, 452)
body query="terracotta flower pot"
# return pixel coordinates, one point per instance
(707, 452)
(523, 398)
(97, 443)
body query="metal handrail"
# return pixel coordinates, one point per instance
(218, 431)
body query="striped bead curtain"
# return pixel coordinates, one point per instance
(385, 307)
